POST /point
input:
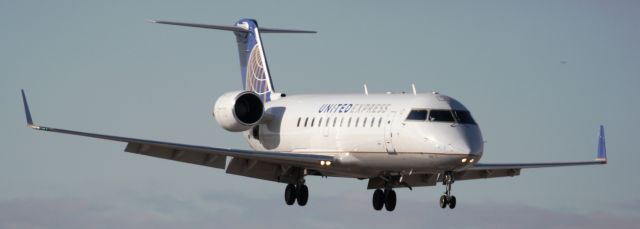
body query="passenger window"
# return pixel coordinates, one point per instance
(463, 117)
(417, 115)
(372, 121)
(440, 116)
(305, 121)
(379, 121)
(364, 122)
(334, 121)
(357, 121)
(299, 118)
(326, 123)
(313, 120)
(341, 121)
(349, 122)
(320, 122)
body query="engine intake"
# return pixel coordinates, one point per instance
(238, 110)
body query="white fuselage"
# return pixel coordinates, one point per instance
(370, 134)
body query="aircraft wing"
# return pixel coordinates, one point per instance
(243, 160)
(481, 170)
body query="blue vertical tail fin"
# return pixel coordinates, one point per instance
(253, 62)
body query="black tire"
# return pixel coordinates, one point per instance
(452, 202)
(290, 194)
(390, 200)
(443, 201)
(302, 195)
(378, 200)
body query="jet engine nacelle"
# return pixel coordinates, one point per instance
(238, 110)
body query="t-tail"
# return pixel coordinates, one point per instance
(253, 61)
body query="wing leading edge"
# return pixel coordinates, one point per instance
(202, 155)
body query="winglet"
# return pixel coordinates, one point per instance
(28, 113)
(602, 148)
(26, 109)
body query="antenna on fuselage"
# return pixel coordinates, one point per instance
(413, 88)
(366, 91)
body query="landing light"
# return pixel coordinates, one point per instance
(325, 163)
(464, 160)
(471, 161)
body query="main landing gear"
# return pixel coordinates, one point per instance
(447, 198)
(298, 192)
(386, 198)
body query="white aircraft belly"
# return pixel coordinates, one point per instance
(369, 164)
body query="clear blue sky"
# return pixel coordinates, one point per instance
(539, 77)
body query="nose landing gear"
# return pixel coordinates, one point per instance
(447, 198)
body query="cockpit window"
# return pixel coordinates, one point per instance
(441, 116)
(417, 115)
(463, 117)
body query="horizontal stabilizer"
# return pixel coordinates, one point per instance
(232, 28)
(272, 30)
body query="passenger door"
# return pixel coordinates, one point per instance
(388, 132)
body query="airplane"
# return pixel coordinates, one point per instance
(395, 140)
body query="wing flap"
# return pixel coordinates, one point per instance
(485, 173)
(188, 156)
(481, 166)
(255, 169)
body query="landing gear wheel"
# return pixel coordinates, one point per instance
(452, 202)
(378, 199)
(390, 200)
(290, 194)
(443, 201)
(447, 198)
(302, 195)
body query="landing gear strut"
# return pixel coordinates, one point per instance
(298, 192)
(447, 198)
(386, 198)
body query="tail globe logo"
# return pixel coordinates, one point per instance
(256, 78)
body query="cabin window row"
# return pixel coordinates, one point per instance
(339, 122)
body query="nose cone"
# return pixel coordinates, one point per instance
(461, 148)
(469, 140)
